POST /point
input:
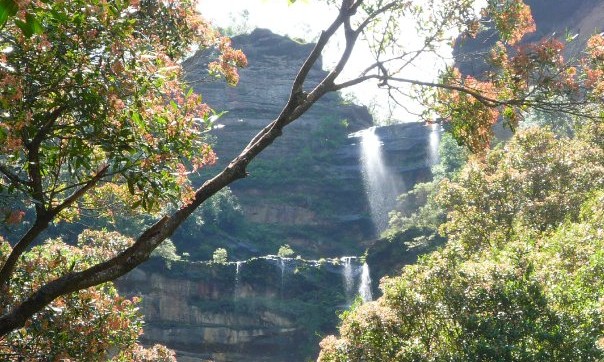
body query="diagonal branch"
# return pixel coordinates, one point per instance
(41, 223)
(12, 177)
(297, 91)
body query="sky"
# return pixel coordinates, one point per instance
(300, 20)
(304, 20)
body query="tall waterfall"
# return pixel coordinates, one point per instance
(434, 143)
(365, 287)
(380, 183)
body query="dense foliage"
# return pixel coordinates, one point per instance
(95, 324)
(520, 278)
(95, 116)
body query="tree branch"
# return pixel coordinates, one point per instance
(41, 223)
(12, 177)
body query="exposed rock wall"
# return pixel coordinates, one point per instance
(272, 309)
(306, 189)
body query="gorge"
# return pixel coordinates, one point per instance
(139, 223)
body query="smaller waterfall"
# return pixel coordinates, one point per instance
(434, 143)
(283, 266)
(237, 291)
(365, 287)
(348, 276)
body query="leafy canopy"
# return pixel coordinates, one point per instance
(83, 326)
(520, 278)
(99, 90)
(93, 104)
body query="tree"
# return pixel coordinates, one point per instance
(220, 256)
(93, 98)
(285, 251)
(519, 279)
(536, 181)
(95, 324)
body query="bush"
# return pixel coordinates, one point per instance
(285, 251)
(220, 256)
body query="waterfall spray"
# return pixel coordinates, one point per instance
(433, 144)
(379, 180)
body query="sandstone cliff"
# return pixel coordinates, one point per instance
(307, 189)
(264, 309)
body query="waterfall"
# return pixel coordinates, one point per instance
(237, 280)
(365, 287)
(348, 276)
(283, 267)
(380, 184)
(433, 144)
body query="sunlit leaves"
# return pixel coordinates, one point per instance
(536, 182)
(521, 77)
(521, 276)
(512, 19)
(81, 326)
(99, 83)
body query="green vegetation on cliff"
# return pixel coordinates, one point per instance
(520, 277)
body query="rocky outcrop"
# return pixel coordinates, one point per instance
(265, 85)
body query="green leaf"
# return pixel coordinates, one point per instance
(30, 26)
(136, 117)
(34, 23)
(136, 204)
(7, 8)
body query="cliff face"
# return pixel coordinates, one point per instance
(307, 188)
(276, 309)
(264, 309)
